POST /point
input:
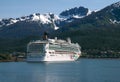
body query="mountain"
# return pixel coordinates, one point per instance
(94, 31)
(72, 14)
(107, 16)
(48, 18)
(77, 12)
(35, 24)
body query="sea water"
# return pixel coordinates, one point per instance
(83, 70)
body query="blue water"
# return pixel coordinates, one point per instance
(83, 70)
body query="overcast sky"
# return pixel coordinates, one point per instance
(18, 8)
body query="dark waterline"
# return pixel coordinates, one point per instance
(83, 70)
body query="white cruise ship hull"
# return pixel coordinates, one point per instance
(57, 57)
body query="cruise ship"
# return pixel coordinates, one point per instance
(52, 50)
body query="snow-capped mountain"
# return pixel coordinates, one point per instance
(35, 24)
(47, 18)
(105, 17)
(80, 16)
(66, 16)
(77, 12)
(72, 14)
(108, 15)
(6, 22)
(114, 10)
(81, 24)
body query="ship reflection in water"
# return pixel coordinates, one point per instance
(83, 70)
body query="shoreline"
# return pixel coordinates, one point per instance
(23, 60)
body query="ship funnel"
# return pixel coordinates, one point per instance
(69, 40)
(45, 36)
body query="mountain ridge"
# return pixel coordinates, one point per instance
(43, 22)
(96, 32)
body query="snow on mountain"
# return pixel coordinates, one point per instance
(44, 19)
(114, 10)
(77, 12)
(89, 12)
(47, 18)
(72, 14)
(14, 20)
(114, 21)
(77, 16)
(6, 22)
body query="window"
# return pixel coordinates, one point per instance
(36, 47)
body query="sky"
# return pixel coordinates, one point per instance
(18, 8)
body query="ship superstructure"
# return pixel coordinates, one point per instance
(53, 50)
